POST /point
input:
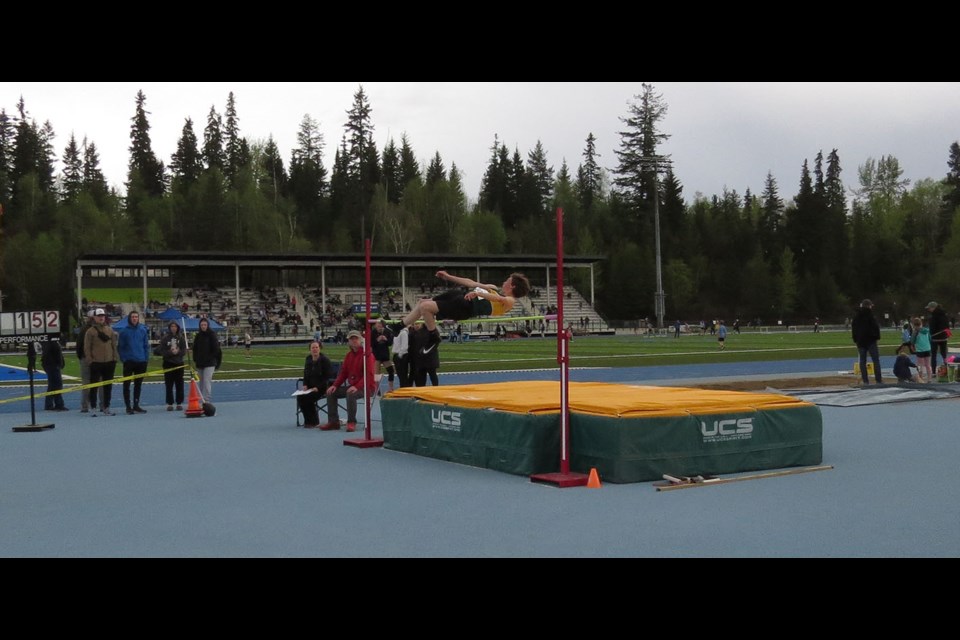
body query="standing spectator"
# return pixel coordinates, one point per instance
(921, 346)
(866, 334)
(316, 378)
(676, 328)
(816, 325)
(207, 357)
(401, 357)
(133, 345)
(100, 350)
(722, 335)
(939, 332)
(425, 355)
(51, 359)
(173, 346)
(736, 326)
(350, 383)
(247, 341)
(382, 339)
(84, 365)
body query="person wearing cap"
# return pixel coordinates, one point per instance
(350, 383)
(133, 345)
(866, 334)
(84, 365)
(173, 346)
(939, 332)
(100, 351)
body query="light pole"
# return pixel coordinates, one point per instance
(657, 164)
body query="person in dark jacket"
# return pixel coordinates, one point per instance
(173, 346)
(939, 332)
(51, 360)
(425, 355)
(207, 357)
(866, 334)
(316, 379)
(133, 345)
(382, 339)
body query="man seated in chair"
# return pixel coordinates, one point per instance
(316, 377)
(350, 384)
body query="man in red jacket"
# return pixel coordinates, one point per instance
(349, 384)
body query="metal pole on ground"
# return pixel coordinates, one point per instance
(565, 478)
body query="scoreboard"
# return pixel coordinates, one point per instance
(29, 326)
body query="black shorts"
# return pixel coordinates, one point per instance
(451, 305)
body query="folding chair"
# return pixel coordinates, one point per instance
(322, 400)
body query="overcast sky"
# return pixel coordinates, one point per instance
(722, 134)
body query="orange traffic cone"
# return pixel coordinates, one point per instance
(194, 410)
(593, 482)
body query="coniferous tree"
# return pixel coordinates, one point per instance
(588, 184)
(770, 224)
(94, 181)
(274, 177)
(31, 176)
(186, 163)
(541, 175)
(493, 187)
(392, 180)
(145, 172)
(435, 170)
(801, 225)
(236, 148)
(213, 154)
(837, 236)
(308, 177)
(409, 167)
(6, 153)
(951, 200)
(639, 142)
(673, 218)
(72, 170)
(362, 164)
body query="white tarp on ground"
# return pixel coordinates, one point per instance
(873, 394)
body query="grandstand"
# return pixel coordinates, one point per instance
(290, 297)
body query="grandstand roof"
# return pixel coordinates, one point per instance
(282, 260)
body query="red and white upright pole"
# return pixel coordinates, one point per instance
(565, 478)
(366, 441)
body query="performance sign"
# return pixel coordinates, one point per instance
(29, 326)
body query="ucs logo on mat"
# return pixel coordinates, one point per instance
(730, 429)
(445, 420)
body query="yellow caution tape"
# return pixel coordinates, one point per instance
(94, 385)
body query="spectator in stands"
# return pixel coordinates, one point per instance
(51, 360)
(173, 346)
(207, 357)
(425, 355)
(100, 350)
(133, 345)
(85, 365)
(460, 304)
(350, 383)
(401, 357)
(866, 334)
(316, 378)
(382, 339)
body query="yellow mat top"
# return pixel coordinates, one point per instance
(598, 398)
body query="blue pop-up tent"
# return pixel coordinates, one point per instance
(171, 313)
(190, 324)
